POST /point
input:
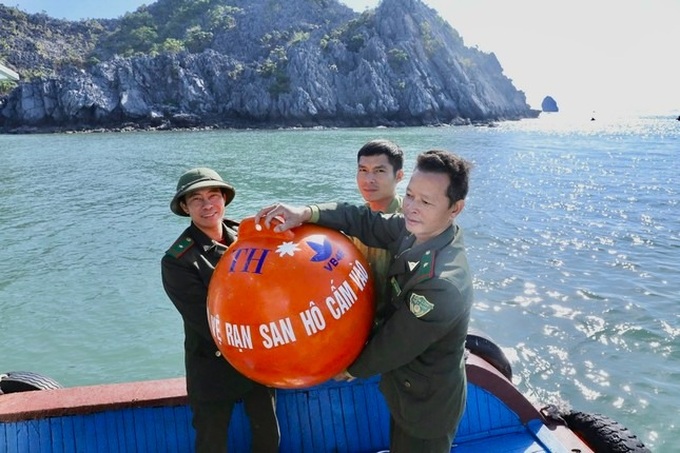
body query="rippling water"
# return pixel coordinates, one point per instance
(572, 227)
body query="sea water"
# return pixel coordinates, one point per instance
(572, 228)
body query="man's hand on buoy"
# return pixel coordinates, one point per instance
(344, 376)
(289, 216)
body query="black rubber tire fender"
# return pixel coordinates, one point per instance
(603, 434)
(25, 381)
(483, 346)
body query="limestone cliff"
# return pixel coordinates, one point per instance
(271, 63)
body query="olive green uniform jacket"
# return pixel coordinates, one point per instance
(419, 350)
(379, 260)
(186, 271)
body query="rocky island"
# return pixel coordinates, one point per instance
(249, 63)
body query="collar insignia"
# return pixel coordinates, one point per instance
(426, 269)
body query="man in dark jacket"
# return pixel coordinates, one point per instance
(419, 350)
(379, 169)
(213, 385)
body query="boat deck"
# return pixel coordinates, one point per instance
(333, 417)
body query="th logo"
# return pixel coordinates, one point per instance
(248, 260)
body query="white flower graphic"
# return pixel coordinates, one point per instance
(287, 248)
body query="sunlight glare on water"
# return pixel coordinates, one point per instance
(571, 228)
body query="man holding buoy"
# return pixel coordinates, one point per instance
(379, 169)
(419, 350)
(213, 385)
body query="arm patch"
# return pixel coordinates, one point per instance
(419, 305)
(180, 247)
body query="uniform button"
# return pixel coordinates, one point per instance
(407, 384)
(218, 354)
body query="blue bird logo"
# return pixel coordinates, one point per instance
(323, 250)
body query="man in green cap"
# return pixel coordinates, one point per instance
(419, 350)
(213, 385)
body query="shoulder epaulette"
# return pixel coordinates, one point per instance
(180, 246)
(426, 268)
(231, 223)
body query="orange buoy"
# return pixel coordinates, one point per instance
(290, 309)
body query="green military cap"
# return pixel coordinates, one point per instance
(200, 178)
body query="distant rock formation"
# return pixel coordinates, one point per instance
(549, 105)
(274, 64)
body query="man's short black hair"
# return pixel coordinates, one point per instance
(457, 168)
(377, 147)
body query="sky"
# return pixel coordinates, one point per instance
(589, 55)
